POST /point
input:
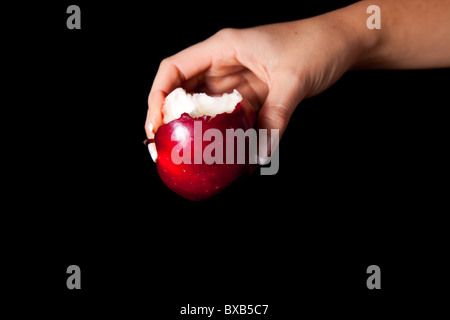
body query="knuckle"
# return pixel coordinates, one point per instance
(165, 62)
(227, 34)
(277, 117)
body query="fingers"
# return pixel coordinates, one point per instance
(186, 66)
(171, 74)
(285, 93)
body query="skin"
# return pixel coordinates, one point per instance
(276, 66)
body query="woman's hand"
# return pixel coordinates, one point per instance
(273, 66)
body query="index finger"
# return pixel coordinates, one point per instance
(172, 72)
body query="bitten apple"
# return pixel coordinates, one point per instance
(182, 144)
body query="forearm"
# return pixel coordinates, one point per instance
(413, 34)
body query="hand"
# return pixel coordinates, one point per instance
(273, 66)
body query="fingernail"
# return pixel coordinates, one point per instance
(150, 130)
(267, 143)
(262, 161)
(153, 152)
(152, 146)
(263, 150)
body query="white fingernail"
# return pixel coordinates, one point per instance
(262, 161)
(267, 143)
(152, 146)
(153, 152)
(264, 148)
(152, 134)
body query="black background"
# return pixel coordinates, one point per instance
(361, 181)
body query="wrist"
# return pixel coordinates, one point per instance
(360, 41)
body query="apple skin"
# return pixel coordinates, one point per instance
(202, 181)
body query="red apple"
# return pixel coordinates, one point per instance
(185, 117)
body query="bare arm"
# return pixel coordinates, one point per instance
(276, 66)
(414, 33)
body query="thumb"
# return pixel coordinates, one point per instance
(285, 93)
